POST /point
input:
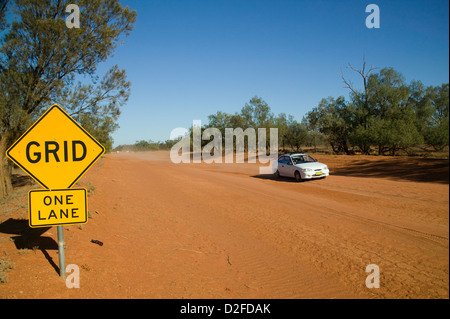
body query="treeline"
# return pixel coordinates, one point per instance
(386, 116)
(257, 114)
(143, 145)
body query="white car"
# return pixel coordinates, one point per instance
(301, 167)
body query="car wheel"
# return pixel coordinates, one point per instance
(298, 177)
(277, 174)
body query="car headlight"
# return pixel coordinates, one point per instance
(326, 167)
(307, 169)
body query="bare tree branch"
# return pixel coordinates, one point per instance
(365, 75)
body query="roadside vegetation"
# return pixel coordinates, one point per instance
(143, 145)
(42, 60)
(384, 115)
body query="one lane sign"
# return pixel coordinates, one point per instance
(57, 207)
(55, 151)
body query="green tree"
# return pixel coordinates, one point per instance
(3, 4)
(386, 112)
(254, 114)
(40, 59)
(220, 120)
(297, 134)
(333, 118)
(97, 107)
(257, 114)
(281, 122)
(436, 126)
(364, 136)
(394, 126)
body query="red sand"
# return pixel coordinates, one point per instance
(223, 231)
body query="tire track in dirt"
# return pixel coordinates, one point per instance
(272, 272)
(389, 256)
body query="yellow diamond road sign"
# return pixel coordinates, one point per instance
(55, 151)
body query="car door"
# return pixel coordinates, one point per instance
(289, 168)
(282, 166)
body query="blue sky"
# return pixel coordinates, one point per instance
(188, 59)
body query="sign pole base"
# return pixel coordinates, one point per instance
(62, 261)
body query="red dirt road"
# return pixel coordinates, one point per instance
(223, 231)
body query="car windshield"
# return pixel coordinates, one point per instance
(297, 159)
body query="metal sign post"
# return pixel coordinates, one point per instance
(62, 259)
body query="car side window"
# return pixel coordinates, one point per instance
(283, 160)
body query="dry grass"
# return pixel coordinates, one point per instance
(5, 266)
